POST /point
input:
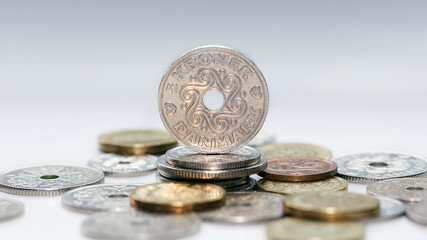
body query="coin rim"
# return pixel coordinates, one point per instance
(262, 188)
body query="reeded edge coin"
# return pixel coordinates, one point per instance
(130, 169)
(417, 212)
(404, 189)
(16, 211)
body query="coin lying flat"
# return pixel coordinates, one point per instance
(186, 158)
(299, 169)
(403, 189)
(213, 99)
(48, 180)
(389, 208)
(245, 207)
(229, 183)
(277, 150)
(289, 188)
(178, 197)
(139, 225)
(299, 229)
(264, 136)
(102, 197)
(10, 208)
(367, 167)
(417, 212)
(136, 142)
(114, 165)
(331, 206)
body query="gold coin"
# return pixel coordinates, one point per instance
(289, 188)
(331, 206)
(178, 197)
(277, 150)
(300, 229)
(136, 142)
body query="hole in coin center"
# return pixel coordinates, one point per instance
(118, 196)
(414, 188)
(49, 177)
(124, 162)
(378, 164)
(213, 100)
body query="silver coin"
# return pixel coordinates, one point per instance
(374, 166)
(186, 158)
(403, 189)
(224, 124)
(170, 171)
(139, 225)
(389, 208)
(417, 212)
(248, 186)
(102, 197)
(48, 180)
(114, 165)
(245, 207)
(264, 136)
(10, 208)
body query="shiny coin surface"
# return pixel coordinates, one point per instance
(170, 171)
(186, 158)
(136, 142)
(288, 188)
(299, 169)
(331, 206)
(222, 183)
(139, 225)
(299, 229)
(102, 197)
(264, 136)
(277, 150)
(213, 99)
(178, 197)
(389, 208)
(10, 208)
(244, 207)
(114, 165)
(403, 189)
(417, 212)
(48, 180)
(248, 186)
(367, 167)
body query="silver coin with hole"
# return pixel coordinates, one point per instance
(102, 197)
(48, 180)
(389, 208)
(264, 136)
(136, 224)
(403, 189)
(368, 167)
(417, 212)
(10, 208)
(114, 165)
(245, 207)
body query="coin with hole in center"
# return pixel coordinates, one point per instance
(114, 165)
(403, 189)
(10, 208)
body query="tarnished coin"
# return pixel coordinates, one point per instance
(264, 136)
(170, 171)
(389, 208)
(289, 188)
(114, 165)
(139, 225)
(10, 208)
(368, 167)
(332, 206)
(178, 197)
(102, 197)
(245, 207)
(403, 189)
(186, 158)
(299, 169)
(136, 142)
(48, 180)
(277, 150)
(229, 183)
(299, 229)
(213, 99)
(417, 212)
(248, 186)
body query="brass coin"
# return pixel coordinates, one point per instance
(301, 229)
(289, 188)
(332, 206)
(178, 197)
(276, 150)
(136, 142)
(299, 169)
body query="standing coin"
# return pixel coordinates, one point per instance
(136, 142)
(389, 208)
(277, 150)
(178, 197)
(48, 180)
(403, 189)
(417, 212)
(114, 165)
(264, 136)
(229, 183)
(213, 99)
(10, 208)
(299, 169)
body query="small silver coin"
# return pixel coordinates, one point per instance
(403, 189)
(248, 186)
(102, 197)
(368, 167)
(170, 171)
(114, 165)
(264, 136)
(139, 225)
(389, 208)
(48, 180)
(10, 208)
(245, 207)
(186, 158)
(417, 212)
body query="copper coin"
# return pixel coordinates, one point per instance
(298, 169)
